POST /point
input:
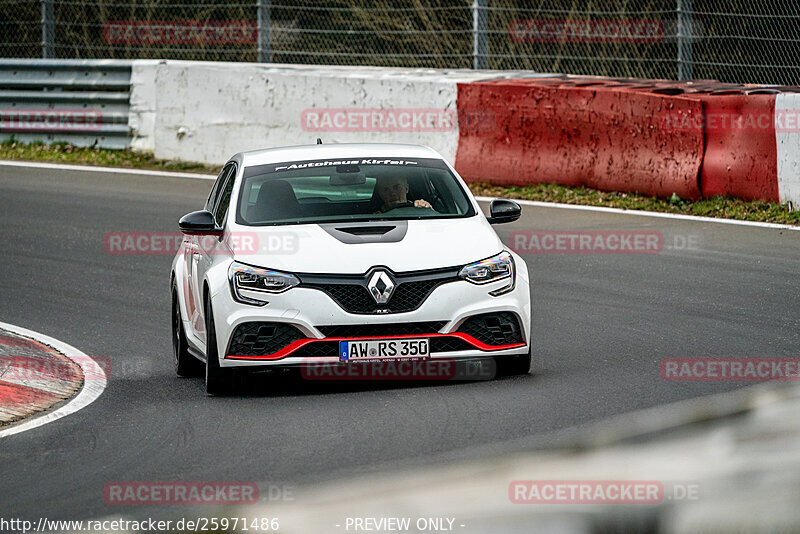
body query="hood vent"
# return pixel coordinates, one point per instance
(367, 232)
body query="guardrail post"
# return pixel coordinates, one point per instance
(685, 36)
(480, 47)
(48, 30)
(264, 42)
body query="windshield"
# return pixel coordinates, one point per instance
(355, 189)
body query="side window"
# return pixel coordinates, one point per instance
(221, 208)
(212, 197)
(223, 175)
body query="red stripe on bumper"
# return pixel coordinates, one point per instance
(293, 346)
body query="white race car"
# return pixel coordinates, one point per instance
(343, 254)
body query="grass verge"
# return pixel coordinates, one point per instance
(66, 153)
(720, 207)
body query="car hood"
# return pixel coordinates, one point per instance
(353, 248)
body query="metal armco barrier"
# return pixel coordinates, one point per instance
(85, 103)
(655, 137)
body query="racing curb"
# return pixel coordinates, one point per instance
(42, 379)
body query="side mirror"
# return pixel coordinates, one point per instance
(503, 211)
(199, 223)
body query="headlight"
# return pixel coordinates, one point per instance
(492, 269)
(250, 284)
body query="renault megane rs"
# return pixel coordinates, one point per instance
(341, 254)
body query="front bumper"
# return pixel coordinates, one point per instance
(319, 323)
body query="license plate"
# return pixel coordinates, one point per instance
(384, 349)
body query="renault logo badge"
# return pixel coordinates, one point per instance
(381, 287)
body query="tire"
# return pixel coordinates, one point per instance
(185, 363)
(514, 365)
(218, 380)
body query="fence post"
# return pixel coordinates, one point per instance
(685, 36)
(480, 48)
(264, 41)
(48, 30)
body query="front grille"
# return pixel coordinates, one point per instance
(449, 344)
(411, 295)
(501, 328)
(354, 298)
(351, 298)
(351, 294)
(259, 339)
(317, 349)
(379, 330)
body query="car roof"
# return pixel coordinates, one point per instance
(335, 150)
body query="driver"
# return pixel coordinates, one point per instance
(393, 193)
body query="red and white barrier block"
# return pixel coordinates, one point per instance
(787, 137)
(644, 136)
(655, 137)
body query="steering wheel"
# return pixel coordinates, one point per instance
(405, 205)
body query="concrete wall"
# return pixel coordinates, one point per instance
(504, 126)
(787, 137)
(206, 112)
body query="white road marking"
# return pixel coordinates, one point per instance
(91, 390)
(194, 176)
(619, 211)
(111, 170)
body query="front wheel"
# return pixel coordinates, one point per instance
(185, 363)
(218, 379)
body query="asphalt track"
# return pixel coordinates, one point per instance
(601, 325)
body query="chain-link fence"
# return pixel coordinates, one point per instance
(730, 40)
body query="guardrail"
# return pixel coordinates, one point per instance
(85, 103)
(656, 137)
